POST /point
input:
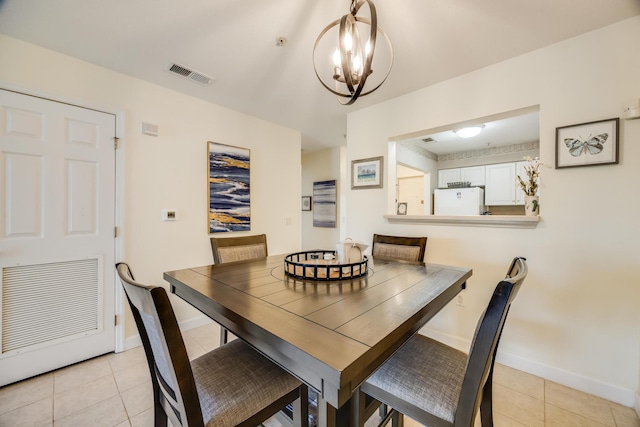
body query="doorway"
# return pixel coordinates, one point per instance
(414, 187)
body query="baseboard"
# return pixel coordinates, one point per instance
(570, 379)
(135, 341)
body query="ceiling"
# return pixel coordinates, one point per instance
(516, 129)
(235, 41)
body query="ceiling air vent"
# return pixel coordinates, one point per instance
(187, 73)
(429, 140)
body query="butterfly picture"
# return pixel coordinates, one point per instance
(591, 145)
(586, 144)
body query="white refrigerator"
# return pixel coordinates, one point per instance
(459, 201)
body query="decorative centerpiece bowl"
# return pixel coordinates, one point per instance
(322, 265)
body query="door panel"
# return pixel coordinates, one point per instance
(57, 192)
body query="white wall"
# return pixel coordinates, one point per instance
(171, 171)
(321, 165)
(576, 319)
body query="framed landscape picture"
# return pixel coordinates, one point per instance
(587, 144)
(229, 195)
(324, 203)
(306, 203)
(367, 173)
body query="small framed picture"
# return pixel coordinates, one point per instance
(306, 203)
(367, 173)
(587, 144)
(402, 209)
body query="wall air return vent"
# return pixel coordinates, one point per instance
(189, 74)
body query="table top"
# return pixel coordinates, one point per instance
(331, 335)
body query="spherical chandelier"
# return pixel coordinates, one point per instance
(352, 55)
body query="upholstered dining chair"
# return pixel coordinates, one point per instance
(399, 248)
(232, 385)
(440, 386)
(231, 249)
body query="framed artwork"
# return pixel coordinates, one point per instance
(402, 208)
(367, 173)
(306, 203)
(229, 195)
(324, 204)
(587, 144)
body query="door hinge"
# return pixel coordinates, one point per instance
(115, 320)
(115, 142)
(115, 231)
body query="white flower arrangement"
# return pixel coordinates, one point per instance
(530, 184)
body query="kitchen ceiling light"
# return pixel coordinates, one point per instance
(353, 55)
(469, 131)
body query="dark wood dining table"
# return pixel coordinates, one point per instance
(330, 334)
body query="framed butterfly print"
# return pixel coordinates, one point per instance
(587, 144)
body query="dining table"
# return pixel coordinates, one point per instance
(331, 334)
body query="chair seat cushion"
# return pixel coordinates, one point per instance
(401, 252)
(425, 374)
(234, 381)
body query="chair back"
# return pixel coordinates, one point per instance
(399, 248)
(172, 378)
(482, 354)
(230, 249)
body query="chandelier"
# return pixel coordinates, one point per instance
(352, 55)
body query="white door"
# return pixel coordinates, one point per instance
(411, 192)
(57, 189)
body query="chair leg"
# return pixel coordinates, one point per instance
(397, 419)
(382, 410)
(486, 405)
(301, 408)
(358, 409)
(224, 336)
(159, 416)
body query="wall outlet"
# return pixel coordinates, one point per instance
(460, 300)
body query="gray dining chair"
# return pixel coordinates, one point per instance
(232, 385)
(399, 248)
(231, 249)
(438, 385)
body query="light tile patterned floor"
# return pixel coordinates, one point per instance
(115, 391)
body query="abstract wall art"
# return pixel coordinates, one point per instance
(229, 195)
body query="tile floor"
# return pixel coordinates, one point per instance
(114, 390)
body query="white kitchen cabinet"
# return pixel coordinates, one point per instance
(500, 185)
(523, 174)
(473, 174)
(448, 175)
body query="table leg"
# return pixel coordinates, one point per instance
(328, 416)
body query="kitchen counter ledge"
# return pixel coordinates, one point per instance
(505, 221)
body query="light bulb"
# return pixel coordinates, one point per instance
(357, 65)
(347, 42)
(336, 58)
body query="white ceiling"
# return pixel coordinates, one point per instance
(516, 129)
(234, 41)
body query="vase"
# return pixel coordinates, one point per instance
(531, 206)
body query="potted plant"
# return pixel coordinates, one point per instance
(529, 185)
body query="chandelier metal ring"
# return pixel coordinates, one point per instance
(349, 73)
